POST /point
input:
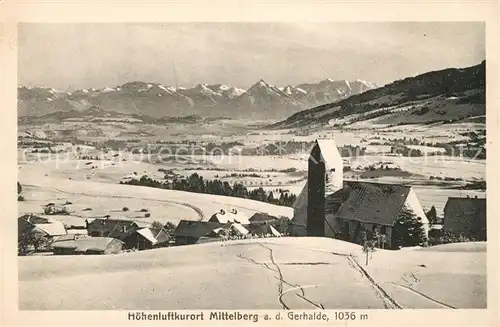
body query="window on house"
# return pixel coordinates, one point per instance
(383, 230)
(124, 229)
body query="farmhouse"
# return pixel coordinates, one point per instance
(189, 231)
(466, 216)
(329, 206)
(87, 245)
(113, 227)
(146, 238)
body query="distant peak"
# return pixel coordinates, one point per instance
(261, 82)
(329, 81)
(288, 89)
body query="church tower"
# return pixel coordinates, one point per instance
(325, 177)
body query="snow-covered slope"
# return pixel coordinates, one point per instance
(441, 96)
(273, 273)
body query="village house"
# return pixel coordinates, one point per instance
(190, 231)
(260, 223)
(146, 239)
(113, 227)
(262, 219)
(233, 216)
(87, 245)
(263, 230)
(32, 226)
(328, 206)
(50, 230)
(466, 216)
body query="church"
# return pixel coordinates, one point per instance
(328, 206)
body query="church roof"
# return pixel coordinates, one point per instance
(376, 203)
(329, 152)
(301, 200)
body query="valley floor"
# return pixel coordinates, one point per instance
(283, 273)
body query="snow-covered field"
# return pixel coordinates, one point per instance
(294, 273)
(44, 184)
(442, 166)
(453, 275)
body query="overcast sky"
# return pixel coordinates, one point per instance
(73, 56)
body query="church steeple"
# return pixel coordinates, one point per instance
(325, 176)
(334, 172)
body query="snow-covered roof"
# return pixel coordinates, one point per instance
(329, 152)
(301, 200)
(375, 203)
(238, 227)
(148, 234)
(53, 229)
(142, 224)
(230, 217)
(77, 231)
(274, 231)
(85, 243)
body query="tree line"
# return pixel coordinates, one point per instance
(197, 184)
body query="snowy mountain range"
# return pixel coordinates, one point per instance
(260, 101)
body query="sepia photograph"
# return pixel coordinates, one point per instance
(251, 166)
